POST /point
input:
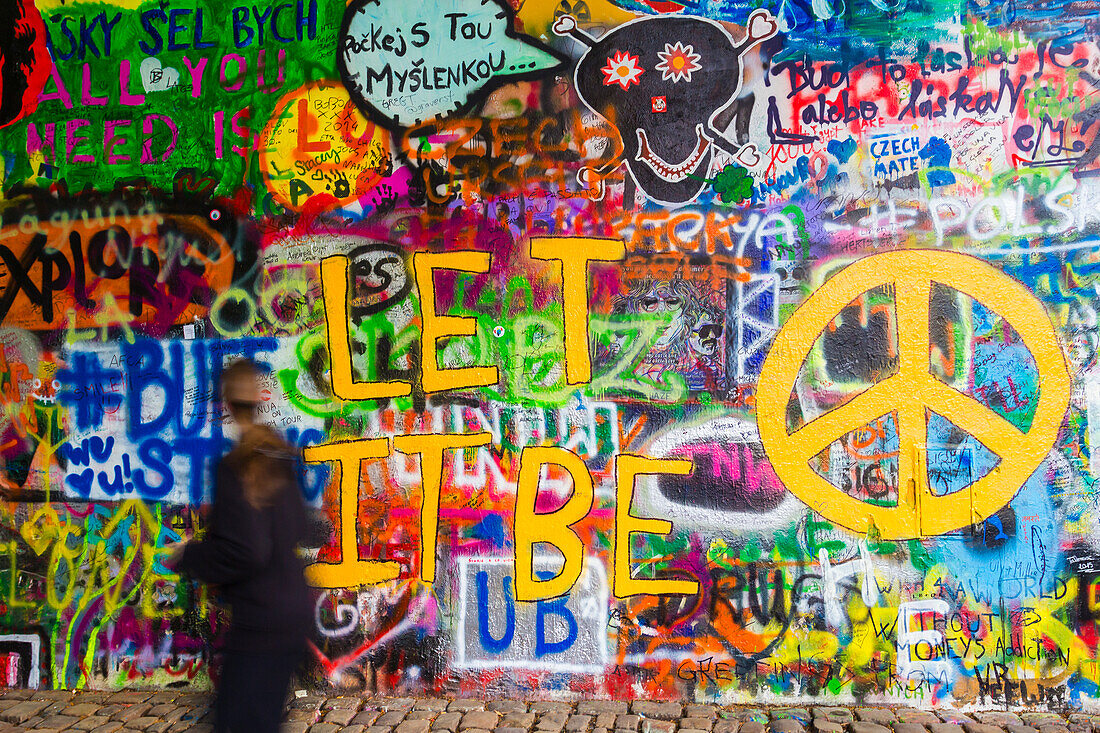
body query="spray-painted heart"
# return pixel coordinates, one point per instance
(748, 156)
(762, 25)
(565, 25)
(157, 78)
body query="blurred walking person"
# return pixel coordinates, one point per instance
(249, 551)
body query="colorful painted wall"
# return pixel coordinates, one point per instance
(737, 351)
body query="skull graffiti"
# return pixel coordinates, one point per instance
(662, 81)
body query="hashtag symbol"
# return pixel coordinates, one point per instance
(84, 388)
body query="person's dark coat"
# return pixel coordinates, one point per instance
(249, 553)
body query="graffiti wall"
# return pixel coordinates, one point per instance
(735, 351)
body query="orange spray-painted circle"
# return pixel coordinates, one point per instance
(317, 142)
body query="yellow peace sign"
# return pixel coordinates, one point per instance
(911, 392)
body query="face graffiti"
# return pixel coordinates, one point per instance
(663, 87)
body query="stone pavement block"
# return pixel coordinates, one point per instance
(143, 723)
(301, 716)
(80, 709)
(59, 722)
(552, 722)
(690, 723)
(391, 718)
(912, 715)
(787, 725)
(379, 729)
(464, 706)
(945, 728)
(1033, 718)
(1013, 728)
(1050, 725)
(480, 720)
(802, 715)
(726, 726)
(343, 703)
(999, 718)
(161, 726)
(339, 716)
(691, 730)
(354, 729)
(508, 706)
(56, 707)
(867, 728)
(700, 711)
(131, 711)
(325, 728)
(162, 697)
(980, 728)
(91, 722)
(309, 702)
(546, 706)
(434, 704)
(508, 729)
(578, 722)
(954, 716)
(661, 710)
(834, 715)
(23, 711)
(479, 730)
(909, 728)
(420, 725)
(628, 722)
(824, 726)
(394, 703)
(447, 721)
(164, 711)
(882, 716)
(604, 720)
(428, 715)
(517, 720)
(752, 726)
(602, 707)
(365, 717)
(657, 726)
(112, 725)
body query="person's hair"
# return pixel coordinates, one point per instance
(262, 458)
(239, 371)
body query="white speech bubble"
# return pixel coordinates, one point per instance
(405, 62)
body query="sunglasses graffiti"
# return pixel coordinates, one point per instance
(633, 349)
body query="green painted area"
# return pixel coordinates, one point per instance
(147, 93)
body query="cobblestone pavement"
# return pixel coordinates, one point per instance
(171, 712)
